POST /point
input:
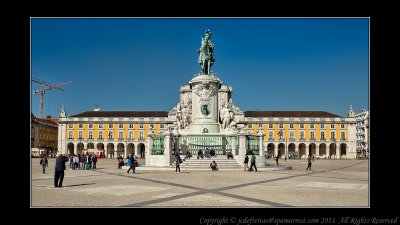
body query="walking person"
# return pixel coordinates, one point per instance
(253, 163)
(309, 163)
(246, 162)
(178, 161)
(59, 170)
(131, 163)
(277, 158)
(44, 163)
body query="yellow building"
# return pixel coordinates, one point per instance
(115, 132)
(291, 134)
(296, 134)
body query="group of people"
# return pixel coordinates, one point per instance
(84, 162)
(252, 163)
(208, 154)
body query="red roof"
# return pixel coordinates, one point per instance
(289, 114)
(122, 114)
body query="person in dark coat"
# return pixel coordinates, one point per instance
(44, 163)
(178, 161)
(59, 170)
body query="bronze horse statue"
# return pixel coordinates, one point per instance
(206, 53)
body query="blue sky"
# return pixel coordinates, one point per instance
(138, 64)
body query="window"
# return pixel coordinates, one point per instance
(291, 134)
(151, 126)
(342, 126)
(291, 126)
(250, 126)
(322, 126)
(343, 135)
(141, 135)
(100, 134)
(120, 135)
(141, 126)
(80, 134)
(302, 126)
(333, 135)
(322, 135)
(302, 135)
(121, 126)
(100, 125)
(70, 126)
(312, 126)
(90, 125)
(131, 126)
(332, 126)
(70, 134)
(161, 125)
(90, 134)
(80, 126)
(270, 134)
(260, 126)
(131, 135)
(271, 125)
(281, 125)
(312, 135)
(110, 134)
(110, 125)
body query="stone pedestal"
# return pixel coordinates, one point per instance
(205, 104)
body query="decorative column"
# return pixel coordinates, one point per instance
(233, 145)
(242, 145)
(275, 151)
(126, 149)
(337, 151)
(317, 150)
(167, 148)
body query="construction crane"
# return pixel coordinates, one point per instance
(44, 87)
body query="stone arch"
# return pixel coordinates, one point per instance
(312, 149)
(131, 149)
(141, 150)
(79, 148)
(343, 151)
(302, 150)
(281, 150)
(70, 148)
(291, 150)
(100, 146)
(270, 150)
(322, 150)
(120, 150)
(90, 146)
(332, 150)
(110, 150)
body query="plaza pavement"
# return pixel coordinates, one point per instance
(333, 183)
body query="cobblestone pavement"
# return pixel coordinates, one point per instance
(332, 183)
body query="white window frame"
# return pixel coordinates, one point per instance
(120, 135)
(80, 134)
(90, 134)
(141, 126)
(70, 134)
(110, 134)
(302, 135)
(291, 126)
(110, 126)
(271, 126)
(120, 126)
(100, 134)
(322, 135)
(322, 126)
(250, 126)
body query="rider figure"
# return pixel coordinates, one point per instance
(206, 57)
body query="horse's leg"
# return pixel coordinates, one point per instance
(208, 66)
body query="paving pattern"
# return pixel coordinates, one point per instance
(333, 183)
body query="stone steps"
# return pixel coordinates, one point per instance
(222, 162)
